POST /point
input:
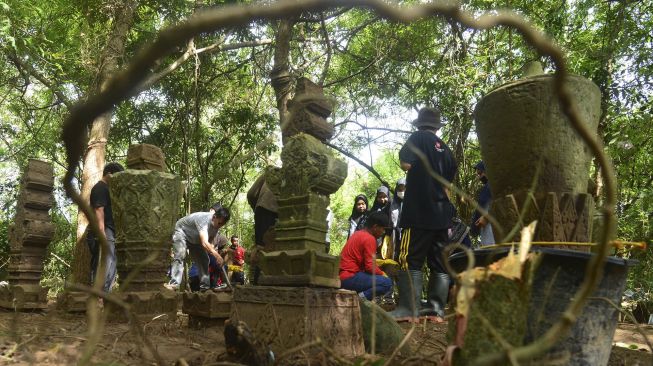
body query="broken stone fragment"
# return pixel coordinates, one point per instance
(308, 111)
(146, 156)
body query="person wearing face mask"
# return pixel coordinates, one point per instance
(480, 224)
(357, 213)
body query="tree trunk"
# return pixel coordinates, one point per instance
(280, 75)
(94, 158)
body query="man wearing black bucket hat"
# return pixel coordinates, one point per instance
(425, 218)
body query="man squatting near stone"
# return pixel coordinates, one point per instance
(425, 218)
(192, 232)
(358, 271)
(101, 204)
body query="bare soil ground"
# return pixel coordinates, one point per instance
(55, 338)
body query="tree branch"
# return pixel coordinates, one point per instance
(359, 161)
(38, 76)
(327, 63)
(192, 52)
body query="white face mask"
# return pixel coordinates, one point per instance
(400, 195)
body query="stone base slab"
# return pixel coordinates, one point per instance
(24, 297)
(561, 217)
(72, 301)
(209, 304)
(145, 304)
(200, 322)
(286, 317)
(300, 268)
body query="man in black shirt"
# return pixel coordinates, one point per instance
(101, 204)
(425, 218)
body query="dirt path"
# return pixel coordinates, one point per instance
(54, 338)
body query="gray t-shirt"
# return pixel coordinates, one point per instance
(194, 224)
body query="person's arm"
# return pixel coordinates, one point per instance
(407, 156)
(99, 214)
(204, 241)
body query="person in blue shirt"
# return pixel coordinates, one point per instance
(480, 224)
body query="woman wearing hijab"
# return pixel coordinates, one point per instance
(395, 210)
(357, 212)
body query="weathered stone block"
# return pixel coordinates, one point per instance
(300, 268)
(303, 119)
(145, 305)
(145, 261)
(23, 213)
(33, 232)
(308, 166)
(386, 331)
(72, 301)
(31, 255)
(550, 224)
(25, 275)
(302, 237)
(35, 199)
(561, 217)
(145, 205)
(208, 305)
(312, 96)
(145, 156)
(38, 175)
(23, 297)
(285, 317)
(310, 206)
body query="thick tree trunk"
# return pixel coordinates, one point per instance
(280, 75)
(94, 159)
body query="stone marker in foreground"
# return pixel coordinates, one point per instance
(29, 237)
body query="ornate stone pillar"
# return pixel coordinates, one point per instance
(284, 316)
(536, 163)
(29, 237)
(309, 174)
(145, 202)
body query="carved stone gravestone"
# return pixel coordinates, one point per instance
(145, 207)
(29, 237)
(536, 163)
(314, 307)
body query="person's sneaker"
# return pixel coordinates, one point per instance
(171, 287)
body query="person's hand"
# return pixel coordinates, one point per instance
(218, 259)
(481, 222)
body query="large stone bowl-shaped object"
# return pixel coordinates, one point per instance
(521, 123)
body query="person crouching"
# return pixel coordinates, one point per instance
(358, 271)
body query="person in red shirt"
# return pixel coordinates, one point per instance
(358, 270)
(238, 259)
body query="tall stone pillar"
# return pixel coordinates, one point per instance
(284, 316)
(29, 237)
(536, 163)
(145, 202)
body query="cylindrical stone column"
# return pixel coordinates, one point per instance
(521, 127)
